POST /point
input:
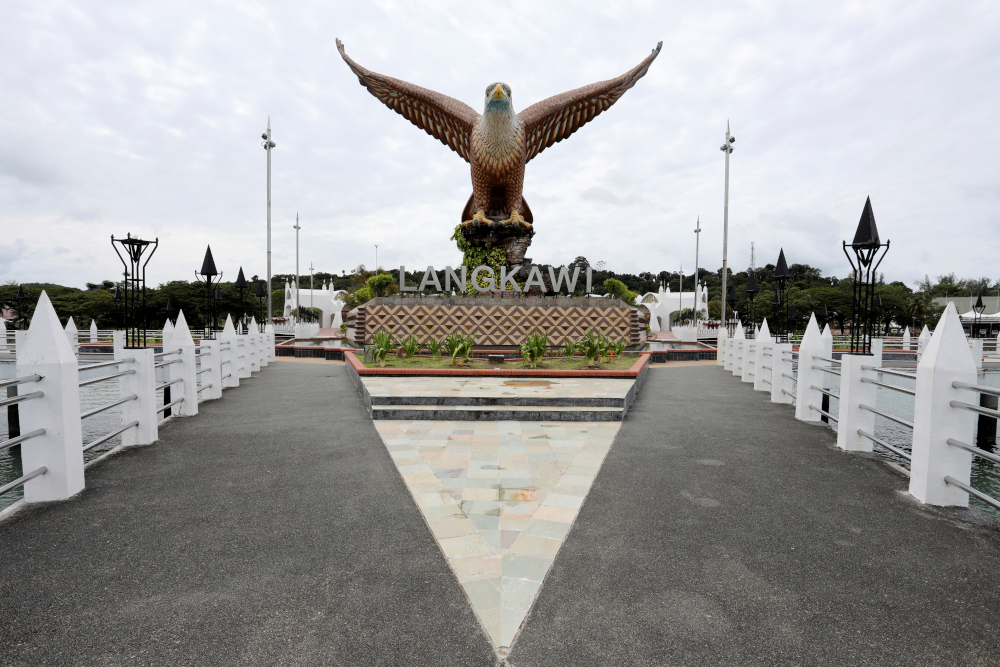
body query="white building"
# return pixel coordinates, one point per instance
(328, 301)
(664, 305)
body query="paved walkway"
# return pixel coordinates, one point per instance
(274, 529)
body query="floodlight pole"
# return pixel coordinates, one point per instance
(726, 148)
(268, 145)
(298, 304)
(697, 241)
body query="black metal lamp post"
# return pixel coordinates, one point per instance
(826, 315)
(241, 288)
(135, 286)
(261, 295)
(752, 290)
(877, 314)
(19, 300)
(792, 314)
(117, 299)
(866, 246)
(170, 309)
(781, 276)
(977, 322)
(217, 310)
(207, 276)
(731, 321)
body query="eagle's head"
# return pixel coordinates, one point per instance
(498, 97)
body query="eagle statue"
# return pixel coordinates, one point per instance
(499, 142)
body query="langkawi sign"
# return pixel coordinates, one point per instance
(505, 279)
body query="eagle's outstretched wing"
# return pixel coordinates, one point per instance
(444, 118)
(557, 117)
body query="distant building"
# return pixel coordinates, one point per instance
(964, 303)
(328, 301)
(663, 306)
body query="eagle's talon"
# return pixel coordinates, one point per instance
(516, 220)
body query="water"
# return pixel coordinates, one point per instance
(91, 396)
(985, 473)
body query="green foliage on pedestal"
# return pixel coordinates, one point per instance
(617, 289)
(487, 254)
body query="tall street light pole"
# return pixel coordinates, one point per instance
(268, 145)
(697, 242)
(298, 304)
(726, 148)
(376, 260)
(311, 269)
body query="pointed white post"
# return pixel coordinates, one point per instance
(856, 390)
(72, 334)
(143, 408)
(782, 372)
(762, 367)
(210, 373)
(93, 331)
(168, 330)
(922, 340)
(906, 338)
(186, 370)
(730, 352)
(47, 352)
(750, 357)
(117, 339)
(977, 351)
(269, 341)
(230, 351)
(945, 360)
(740, 340)
(808, 376)
(242, 360)
(253, 345)
(720, 346)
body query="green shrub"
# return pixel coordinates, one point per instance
(379, 284)
(569, 349)
(410, 347)
(590, 346)
(435, 347)
(617, 289)
(383, 344)
(534, 348)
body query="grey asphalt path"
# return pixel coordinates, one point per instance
(271, 529)
(720, 531)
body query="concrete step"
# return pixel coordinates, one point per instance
(491, 401)
(496, 413)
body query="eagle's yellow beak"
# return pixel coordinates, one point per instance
(498, 91)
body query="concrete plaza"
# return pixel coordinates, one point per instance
(277, 529)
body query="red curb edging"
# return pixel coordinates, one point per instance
(359, 368)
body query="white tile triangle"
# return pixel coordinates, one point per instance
(499, 498)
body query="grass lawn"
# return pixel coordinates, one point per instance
(549, 364)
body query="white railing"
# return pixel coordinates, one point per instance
(50, 416)
(946, 399)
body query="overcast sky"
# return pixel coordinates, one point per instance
(146, 118)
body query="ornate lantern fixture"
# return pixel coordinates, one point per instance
(752, 290)
(977, 329)
(134, 296)
(207, 276)
(170, 309)
(781, 276)
(261, 295)
(866, 246)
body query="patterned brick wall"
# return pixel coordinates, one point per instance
(495, 321)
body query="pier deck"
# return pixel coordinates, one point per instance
(275, 529)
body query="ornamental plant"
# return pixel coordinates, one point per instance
(590, 346)
(534, 348)
(410, 346)
(569, 349)
(383, 344)
(434, 346)
(617, 289)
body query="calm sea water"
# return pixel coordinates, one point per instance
(91, 396)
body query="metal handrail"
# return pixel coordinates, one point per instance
(898, 420)
(826, 370)
(21, 438)
(819, 358)
(203, 371)
(974, 450)
(911, 392)
(885, 444)
(227, 375)
(889, 371)
(167, 363)
(18, 399)
(207, 386)
(91, 413)
(107, 363)
(825, 391)
(21, 480)
(160, 355)
(786, 392)
(989, 500)
(105, 438)
(992, 391)
(767, 367)
(24, 380)
(824, 413)
(790, 377)
(975, 408)
(167, 384)
(171, 404)
(84, 383)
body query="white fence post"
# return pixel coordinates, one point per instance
(762, 359)
(813, 343)
(781, 365)
(143, 384)
(262, 349)
(253, 338)
(922, 340)
(72, 334)
(47, 352)
(118, 339)
(211, 370)
(906, 338)
(738, 339)
(186, 370)
(854, 393)
(945, 360)
(242, 356)
(730, 357)
(93, 331)
(977, 351)
(720, 347)
(230, 350)
(269, 343)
